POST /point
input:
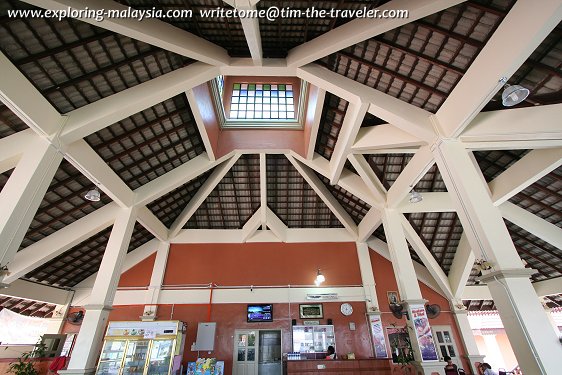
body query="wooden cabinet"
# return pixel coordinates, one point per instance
(353, 366)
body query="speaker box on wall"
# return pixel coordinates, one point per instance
(330, 322)
(294, 322)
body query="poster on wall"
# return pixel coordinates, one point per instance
(423, 333)
(377, 335)
(399, 342)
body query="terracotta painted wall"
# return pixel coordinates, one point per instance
(139, 275)
(230, 317)
(272, 264)
(262, 264)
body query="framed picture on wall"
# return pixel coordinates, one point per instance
(313, 311)
(392, 297)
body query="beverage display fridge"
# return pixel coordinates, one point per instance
(312, 341)
(142, 348)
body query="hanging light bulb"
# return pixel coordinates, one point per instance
(415, 197)
(93, 195)
(319, 278)
(514, 94)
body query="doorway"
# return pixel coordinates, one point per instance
(446, 343)
(257, 352)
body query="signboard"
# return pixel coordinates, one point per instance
(377, 334)
(423, 333)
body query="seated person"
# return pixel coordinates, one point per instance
(486, 369)
(331, 354)
(450, 368)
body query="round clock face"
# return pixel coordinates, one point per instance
(346, 309)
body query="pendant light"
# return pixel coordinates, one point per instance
(93, 195)
(319, 278)
(514, 94)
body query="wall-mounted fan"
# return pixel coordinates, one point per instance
(398, 310)
(75, 318)
(432, 311)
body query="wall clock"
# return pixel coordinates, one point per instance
(346, 309)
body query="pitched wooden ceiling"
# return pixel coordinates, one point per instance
(73, 63)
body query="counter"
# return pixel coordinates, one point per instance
(348, 366)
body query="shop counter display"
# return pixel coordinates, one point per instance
(339, 366)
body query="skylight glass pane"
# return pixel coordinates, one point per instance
(262, 101)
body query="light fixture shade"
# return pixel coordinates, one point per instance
(319, 278)
(415, 197)
(513, 95)
(93, 195)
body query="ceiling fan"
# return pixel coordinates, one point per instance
(75, 317)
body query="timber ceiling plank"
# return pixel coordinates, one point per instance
(293, 200)
(73, 63)
(234, 200)
(150, 143)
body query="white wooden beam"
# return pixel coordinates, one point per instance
(198, 118)
(109, 110)
(263, 190)
(402, 115)
(269, 68)
(36, 292)
(12, 147)
(532, 224)
(348, 180)
(276, 225)
(294, 235)
(548, 287)
(251, 226)
(422, 273)
(382, 137)
(362, 29)
(350, 127)
(313, 117)
(202, 194)
(149, 30)
(412, 173)
(22, 194)
(506, 50)
(426, 257)
(152, 223)
(84, 288)
(324, 194)
(532, 167)
(26, 101)
(251, 27)
(86, 160)
(369, 224)
(59, 242)
(432, 202)
(532, 127)
(369, 178)
(461, 267)
(175, 178)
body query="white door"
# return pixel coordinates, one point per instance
(245, 361)
(445, 343)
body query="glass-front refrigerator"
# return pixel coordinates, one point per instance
(142, 348)
(312, 341)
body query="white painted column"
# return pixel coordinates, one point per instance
(469, 342)
(536, 347)
(407, 281)
(23, 193)
(88, 342)
(494, 350)
(367, 277)
(158, 271)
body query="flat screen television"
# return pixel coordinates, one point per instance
(260, 313)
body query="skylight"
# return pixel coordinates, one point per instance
(260, 102)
